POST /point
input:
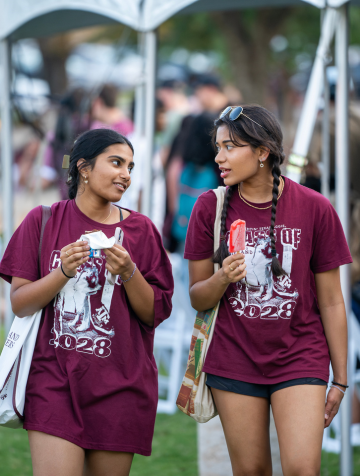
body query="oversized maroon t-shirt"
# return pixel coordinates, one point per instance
(269, 329)
(93, 379)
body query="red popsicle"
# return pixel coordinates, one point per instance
(237, 236)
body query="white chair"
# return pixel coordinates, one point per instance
(172, 341)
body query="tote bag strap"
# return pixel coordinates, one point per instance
(220, 195)
(46, 214)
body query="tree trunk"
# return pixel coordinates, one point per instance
(248, 34)
(55, 52)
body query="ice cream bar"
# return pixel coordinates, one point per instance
(237, 236)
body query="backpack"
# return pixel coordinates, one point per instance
(194, 180)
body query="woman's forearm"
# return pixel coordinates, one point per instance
(28, 297)
(141, 297)
(335, 326)
(206, 294)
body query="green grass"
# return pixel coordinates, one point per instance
(2, 336)
(174, 450)
(14, 453)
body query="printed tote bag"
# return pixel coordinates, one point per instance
(16, 357)
(195, 398)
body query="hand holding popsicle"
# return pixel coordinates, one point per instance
(237, 236)
(233, 267)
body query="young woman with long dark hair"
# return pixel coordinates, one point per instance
(91, 396)
(282, 315)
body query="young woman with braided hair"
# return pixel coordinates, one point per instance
(282, 314)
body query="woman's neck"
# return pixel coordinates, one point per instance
(93, 207)
(257, 190)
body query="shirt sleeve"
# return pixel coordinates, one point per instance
(156, 268)
(200, 235)
(21, 255)
(330, 247)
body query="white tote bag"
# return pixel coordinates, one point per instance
(15, 361)
(16, 357)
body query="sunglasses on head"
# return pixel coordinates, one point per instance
(236, 112)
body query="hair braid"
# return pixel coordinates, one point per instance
(222, 252)
(276, 172)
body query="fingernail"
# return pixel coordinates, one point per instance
(326, 416)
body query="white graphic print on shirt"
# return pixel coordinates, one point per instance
(260, 294)
(81, 310)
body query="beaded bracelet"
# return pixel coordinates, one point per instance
(63, 272)
(341, 385)
(126, 280)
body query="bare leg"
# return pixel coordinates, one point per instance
(55, 456)
(299, 419)
(107, 463)
(246, 426)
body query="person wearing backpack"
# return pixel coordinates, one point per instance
(199, 172)
(92, 390)
(282, 317)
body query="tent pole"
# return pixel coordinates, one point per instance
(343, 206)
(6, 162)
(140, 91)
(325, 159)
(306, 125)
(150, 46)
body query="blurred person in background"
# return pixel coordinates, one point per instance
(132, 198)
(191, 169)
(105, 112)
(355, 305)
(172, 95)
(313, 181)
(26, 143)
(72, 120)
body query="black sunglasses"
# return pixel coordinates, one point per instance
(236, 112)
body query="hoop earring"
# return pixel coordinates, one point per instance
(262, 164)
(86, 180)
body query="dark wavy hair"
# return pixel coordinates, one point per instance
(88, 146)
(269, 135)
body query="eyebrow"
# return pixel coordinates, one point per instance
(225, 141)
(122, 160)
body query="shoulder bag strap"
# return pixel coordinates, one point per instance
(46, 214)
(220, 195)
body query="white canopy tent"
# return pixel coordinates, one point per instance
(35, 18)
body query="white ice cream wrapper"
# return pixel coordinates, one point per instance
(98, 240)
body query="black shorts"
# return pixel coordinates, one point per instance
(255, 389)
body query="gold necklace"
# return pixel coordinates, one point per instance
(107, 216)
(262, 208)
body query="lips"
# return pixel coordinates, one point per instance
(224, 172)
(120, 186)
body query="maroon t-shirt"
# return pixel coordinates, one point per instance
(93, 379)
(269, 329)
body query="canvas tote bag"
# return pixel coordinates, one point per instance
(195, 398)
(16, 357)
